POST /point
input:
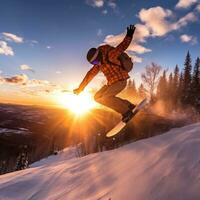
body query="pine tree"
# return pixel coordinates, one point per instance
(162, 87)
(170, 93)
(176, 86)
(176, 77)
(187, 77)
(195, 85)
(129, 83)
(141, 91)
(170, 85)
(180, 88)
(22, 161)
(131, 88)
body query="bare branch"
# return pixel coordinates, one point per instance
(150, 77)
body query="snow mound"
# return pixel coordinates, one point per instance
(159, 168)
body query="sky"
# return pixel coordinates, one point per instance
(43, 43)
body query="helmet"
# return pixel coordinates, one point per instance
(93, 56)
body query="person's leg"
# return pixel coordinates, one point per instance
(107, 96)
(100, 93)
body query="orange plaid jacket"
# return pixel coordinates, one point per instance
(113, 73)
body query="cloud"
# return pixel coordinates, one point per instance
(104, 12)
(188, 39)
(112, 4)
(198, 8)
(99, 32)
(36, 82)
(133, 47)
(185, 3)
(100, 3)
(1, 80)
(159, 20)
(113, 40)
(155, 19)
(135, 58)
(5, 49)
(137, 48)
(20, 79)
(58, 72)
(30, 86)
(48, 47)
(33, 42)
(36, 87)
(26, 67)
(190, 17)
(156, 22)
(12, 37)
(142, 32)
(95, 3)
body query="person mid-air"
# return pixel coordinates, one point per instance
(106, 59)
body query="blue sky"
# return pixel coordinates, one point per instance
(44, 42)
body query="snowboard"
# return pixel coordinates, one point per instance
(114, 131)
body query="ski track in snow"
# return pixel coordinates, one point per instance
(165, 167)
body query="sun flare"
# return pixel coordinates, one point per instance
(78, 104)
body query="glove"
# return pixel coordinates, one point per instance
(131, 30)
(77, 91)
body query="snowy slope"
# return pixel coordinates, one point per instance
(166, 167)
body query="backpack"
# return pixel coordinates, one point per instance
(125, 60)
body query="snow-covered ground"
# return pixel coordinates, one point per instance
(7, 131)
(166, 167)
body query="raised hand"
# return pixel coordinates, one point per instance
(131, 30)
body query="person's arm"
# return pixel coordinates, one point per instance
(124, 44)
(88, 77)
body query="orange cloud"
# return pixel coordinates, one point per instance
(30, 86)
(17, 79)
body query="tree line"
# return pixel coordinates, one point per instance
(177, 89)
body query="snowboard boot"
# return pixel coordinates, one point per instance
(131, 106)
(129, 114)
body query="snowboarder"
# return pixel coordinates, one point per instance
(113, 62)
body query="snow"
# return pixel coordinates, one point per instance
(159, 168)
(7, 131)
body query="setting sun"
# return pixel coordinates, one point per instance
(78, 104)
